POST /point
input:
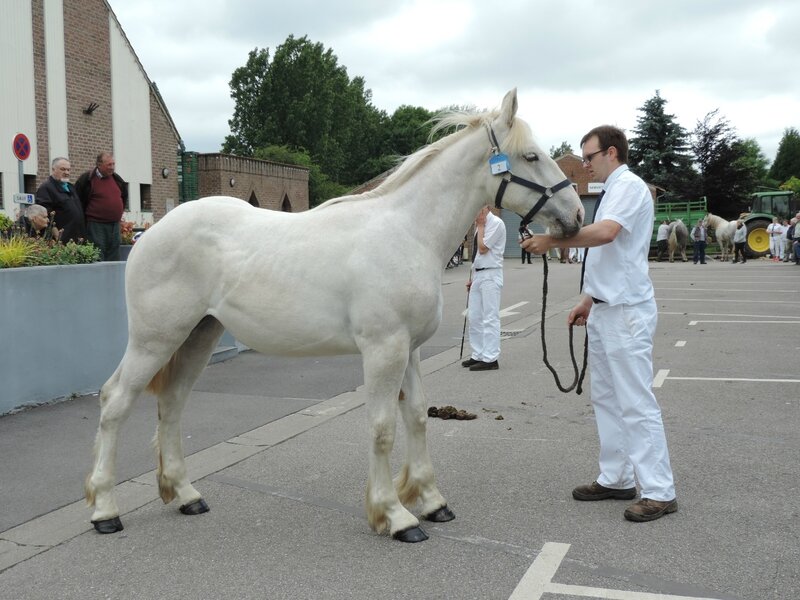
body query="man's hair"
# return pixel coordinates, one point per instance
(34, 210)
(102, 157)
(57, 160)
(608, 136)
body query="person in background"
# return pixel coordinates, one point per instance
(619, 309)
(35, 223)
(786, 239)
(662, 238)
(774, 230)
(485, 285)
(60, 199)
(739, 240)
(699, 237)
(104, 195)
(525, 254)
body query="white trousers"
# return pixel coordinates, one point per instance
(484, 314)
(776, 246)
(632, 439)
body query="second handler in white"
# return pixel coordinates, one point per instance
(485, 285)
(619, 309)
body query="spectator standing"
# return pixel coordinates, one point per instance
(739, 240)
(662, 238)
(104, 195)
(699, 237)
(60, 199)
(786, 239)
(774, 230)
(525, 254)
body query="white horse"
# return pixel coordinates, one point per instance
(723, 231)
(219, 263)
(678, 237)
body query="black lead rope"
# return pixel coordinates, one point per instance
(577, 379)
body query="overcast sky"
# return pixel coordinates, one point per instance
(575, 63)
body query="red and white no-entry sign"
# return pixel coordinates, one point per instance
(22, 146)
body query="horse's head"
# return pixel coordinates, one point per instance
(534, 187)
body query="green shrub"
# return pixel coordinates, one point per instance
(19, 250)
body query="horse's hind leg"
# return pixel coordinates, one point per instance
(116, 400)
(416, 479)
(172, 387)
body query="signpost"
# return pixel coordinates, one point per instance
(22, 150)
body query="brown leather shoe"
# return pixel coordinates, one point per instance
(650, 510)
(595, 491)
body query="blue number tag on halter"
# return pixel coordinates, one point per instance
(499, 164)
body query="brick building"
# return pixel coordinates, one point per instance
(262, 183)
(72, 83)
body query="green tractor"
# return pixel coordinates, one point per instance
(764, 206)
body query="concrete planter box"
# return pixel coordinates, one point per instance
(63, 331)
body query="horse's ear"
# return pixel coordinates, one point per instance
(509, 107)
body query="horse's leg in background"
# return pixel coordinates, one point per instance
(416, 479)
(172, 386)
(116, 400)
(384, 364)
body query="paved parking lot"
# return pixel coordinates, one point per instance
(286, 481)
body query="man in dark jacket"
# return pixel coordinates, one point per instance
(104, 195)
(60, 198)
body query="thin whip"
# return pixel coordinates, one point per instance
(577, 380)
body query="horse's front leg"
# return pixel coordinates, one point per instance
(416, 480)
(383, 373)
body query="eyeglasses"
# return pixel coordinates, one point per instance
(588, 158)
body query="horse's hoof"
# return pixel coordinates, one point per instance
(440, 515)
(197, 507)
(108, 525)
(412, 535)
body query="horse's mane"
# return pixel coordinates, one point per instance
(462, 122)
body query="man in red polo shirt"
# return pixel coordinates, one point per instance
(104, 195)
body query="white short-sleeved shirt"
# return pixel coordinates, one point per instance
(618, 272)
(494, 237)
(663, 232)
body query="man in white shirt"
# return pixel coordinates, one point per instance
(775, 231)
(619, 309)
(661, 240)
(485, 285)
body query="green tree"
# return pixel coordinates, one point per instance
(787, 160)
(659, 152)
(562, 150)
(304, 100)
(730, 168)
(793, 184)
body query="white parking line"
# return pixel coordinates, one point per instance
(538, 580)
(680, 343)
(719, 300)
(721, 321)
(663, 375)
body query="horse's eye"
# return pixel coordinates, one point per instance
(531, 156)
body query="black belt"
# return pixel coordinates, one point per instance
(598, 301)
(485, 268)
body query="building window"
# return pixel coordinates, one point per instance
(286, 206)
(144, 195)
